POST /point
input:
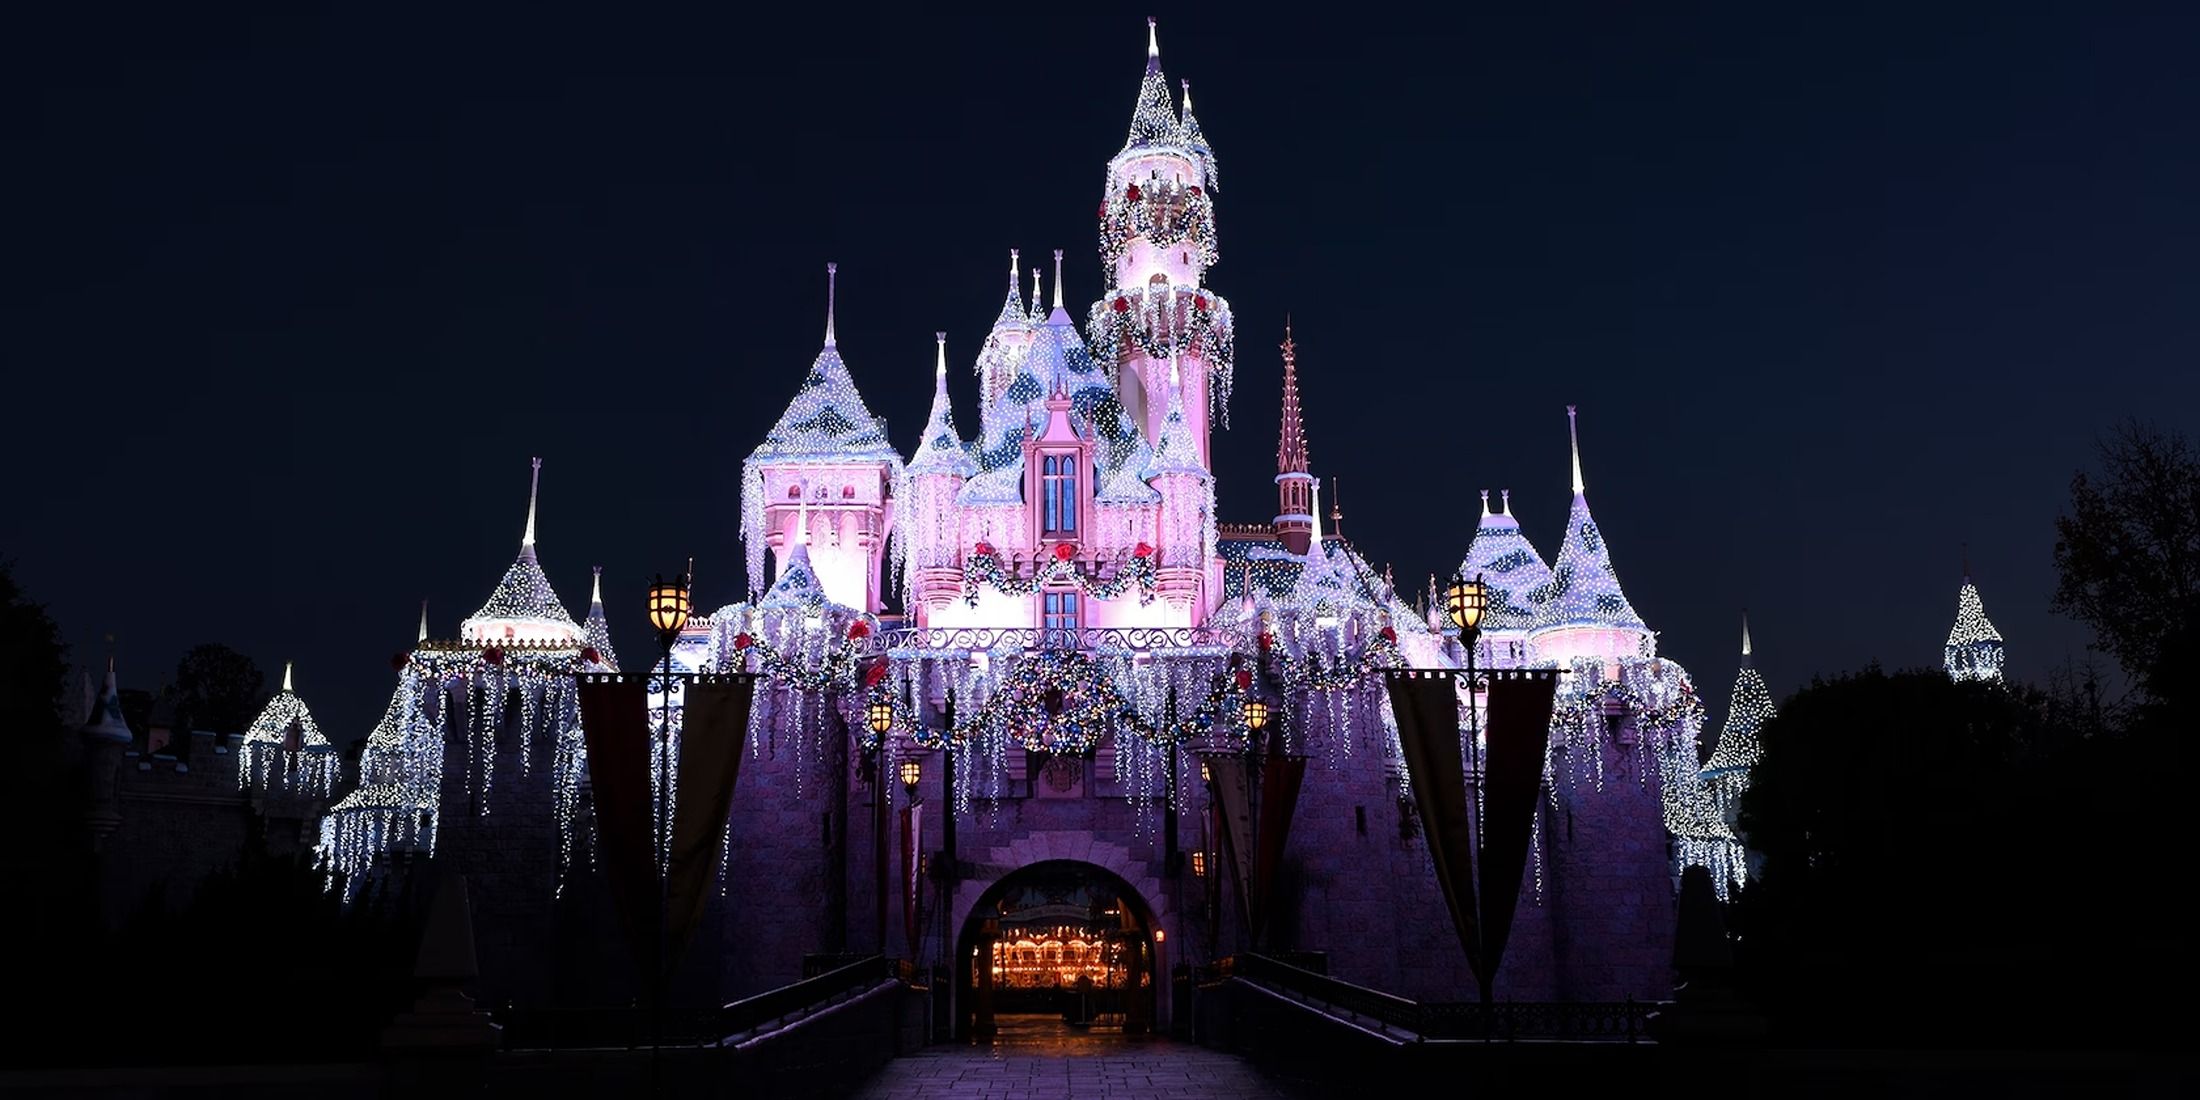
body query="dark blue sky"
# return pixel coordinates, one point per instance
(293, 296)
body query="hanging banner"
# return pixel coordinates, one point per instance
(1280, 777)
(1233, 804)
(615, 721)
(912, 875)
(714, 728)
(1519, 734)
(1426, 702)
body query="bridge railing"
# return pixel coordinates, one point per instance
(1584, 1021)
(774, 1005)
(1100, 639)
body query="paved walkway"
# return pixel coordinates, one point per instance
(1036, 1058)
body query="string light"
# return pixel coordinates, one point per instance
(284, 751)
(1974, 649)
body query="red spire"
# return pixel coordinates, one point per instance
(1294, 523)
(1291, 449)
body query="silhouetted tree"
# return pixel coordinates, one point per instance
(1940, 859)
(218, 689)
(2129, 555)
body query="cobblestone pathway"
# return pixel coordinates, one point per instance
(1035, 1058)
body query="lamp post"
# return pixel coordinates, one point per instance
(1465, 601)
(668, 613)
(879, 715)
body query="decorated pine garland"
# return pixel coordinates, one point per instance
(1158, 322)
(984, 569)
(834, 673)
(1163, 215)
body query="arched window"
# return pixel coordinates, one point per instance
(794, 492)
(847, 492)
(1058, 490)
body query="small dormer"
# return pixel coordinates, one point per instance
(1058, 476)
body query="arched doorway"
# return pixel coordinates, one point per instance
(1056, 944)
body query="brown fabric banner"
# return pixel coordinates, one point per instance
(912, 875)
(1233, 804)
(714, 730)
(1279, 795)
(1427, 707)
(1518, 735)
(615, 722)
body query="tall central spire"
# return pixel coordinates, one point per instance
(1153, 120)
(1057, 278)
(527, 539)
(1745, 637)
(832, 283)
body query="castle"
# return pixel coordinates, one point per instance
(1077, 640)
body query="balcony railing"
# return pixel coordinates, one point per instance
(1095, 639)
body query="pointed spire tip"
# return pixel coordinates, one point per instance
(832, 284)
(286, 675)
(534, 486)
(1573, 435)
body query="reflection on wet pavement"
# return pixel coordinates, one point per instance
(1041, 1058)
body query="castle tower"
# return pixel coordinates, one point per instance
(1294, 523)
(936, 474)
(1974, 650)
(284, 751)
(1157, 240)
(1739, 747)
(596, 631)
(1004, 346)
(1513, 573)
(1582, 613)
(826, 463)
(523, 608)
(1186, 535)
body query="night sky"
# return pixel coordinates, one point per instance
(293, 296)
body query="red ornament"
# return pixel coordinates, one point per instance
(1063, 551)
(1267, 639)
(1390, 635)
(1193, 189)
(591, 656)
(1245, 679)
(398, 659)
(743, 641)
(984, 548)
(493, 655)
(1199, 301)
(1133, 193)
(873, 674)
(1122, 305)
(1142, 551)
(1103, 211)
(858, 629)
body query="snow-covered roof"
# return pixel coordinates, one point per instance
(1509, 567)
(941, 449)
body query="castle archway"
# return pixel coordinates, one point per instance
(1058, 943)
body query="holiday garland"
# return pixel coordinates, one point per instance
(1163, 214)
(984, 569)
(1147, 319)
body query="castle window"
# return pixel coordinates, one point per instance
(1059, 618)
(794, 492)
(1058, 490)
(847, 492)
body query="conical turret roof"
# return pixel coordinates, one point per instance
(1583, 590)
(1974, 649)
(1176, 452)
(1739, 747)
(103, 721)
(596, 632)
(1189, 135)
(941, 449)
(283, 713)
(1154, 120)
(523, 607)
(1509, 567)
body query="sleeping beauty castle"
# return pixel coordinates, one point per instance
(1023, 646)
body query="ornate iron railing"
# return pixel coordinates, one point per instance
(1584, 1021)
(1133, 639)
